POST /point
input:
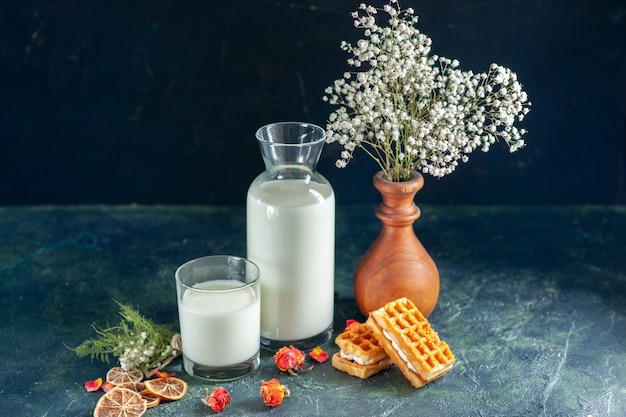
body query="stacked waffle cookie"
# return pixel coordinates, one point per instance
(360, 353)
(408, 339)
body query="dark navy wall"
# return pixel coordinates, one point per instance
(110, 101)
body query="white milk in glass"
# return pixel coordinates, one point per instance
(291, 238)
(220, 328)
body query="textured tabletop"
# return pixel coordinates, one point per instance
(532, 303)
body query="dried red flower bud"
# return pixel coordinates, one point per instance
(273, 392)
(290, 359)
(319, 355)
(94, 385)
(218, 400)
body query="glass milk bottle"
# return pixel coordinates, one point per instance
(290, 212)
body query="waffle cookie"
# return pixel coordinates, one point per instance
(410, 341)
(360, 353)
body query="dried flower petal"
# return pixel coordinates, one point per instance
(94, 385)
(161, 374)
(273, 392)
(107, 386)
(218, 400)
(290, 359)
(319, 355)
(351, 323)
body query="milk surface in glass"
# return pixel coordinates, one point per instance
(291, 237)
(219, 328)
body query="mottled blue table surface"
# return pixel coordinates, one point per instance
(532, 303)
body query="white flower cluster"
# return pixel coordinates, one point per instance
(410, 110)
(139, 352)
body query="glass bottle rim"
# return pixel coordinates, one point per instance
(313, 128)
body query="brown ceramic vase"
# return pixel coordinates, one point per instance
(396, 265)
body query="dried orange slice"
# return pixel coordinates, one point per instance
(117, 376)
(120, 402)
(168, 389)
(151, 399)
(133, 386)
(140, 387)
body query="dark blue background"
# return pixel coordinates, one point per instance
(110, 101)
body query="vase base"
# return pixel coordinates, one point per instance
(304, 344)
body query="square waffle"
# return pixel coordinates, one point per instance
(361, 355)
(358, 341)
(410, 341)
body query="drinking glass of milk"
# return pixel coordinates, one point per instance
(219, 312)
(290, 214)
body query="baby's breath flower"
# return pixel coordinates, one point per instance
(410, 110)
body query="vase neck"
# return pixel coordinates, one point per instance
(398, 205)
(398, 194)
(291, 146)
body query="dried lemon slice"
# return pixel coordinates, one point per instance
(120, 402)
(118, 376)
(168, 389)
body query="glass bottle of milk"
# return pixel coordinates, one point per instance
(290, 211)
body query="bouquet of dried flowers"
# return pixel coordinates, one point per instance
(413, 111)
(137, 342)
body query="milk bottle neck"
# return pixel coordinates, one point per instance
(290, 172)
(291, 146)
